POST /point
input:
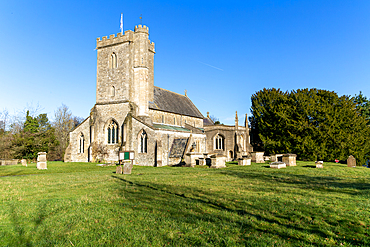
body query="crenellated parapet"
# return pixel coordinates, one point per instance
(141, 29)
(151, 47)
(114, 40)
(127, 37)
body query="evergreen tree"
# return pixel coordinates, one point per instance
(36, 136)
(31, 124)
(315, 124)
(363, 106)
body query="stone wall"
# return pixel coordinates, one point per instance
(8, 162)
(72, 153)
(236, 140)
(163, 117)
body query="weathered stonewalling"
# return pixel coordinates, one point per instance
(131, 114)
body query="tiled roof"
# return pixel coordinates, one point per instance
(165, 100)
(207, 121)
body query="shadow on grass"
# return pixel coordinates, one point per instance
(26, 235)
(191, 205)
(325, 183)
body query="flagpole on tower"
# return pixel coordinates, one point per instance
(121, 25)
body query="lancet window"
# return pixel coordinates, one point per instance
(113, 61)
(81, 144)
(143, 144)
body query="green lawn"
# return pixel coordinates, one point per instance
(81, 204)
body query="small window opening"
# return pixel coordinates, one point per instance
(113, 59)
(82, 144)
(143, 142)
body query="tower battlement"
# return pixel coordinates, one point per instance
(113, 39)
(141, 29)
(122, 38)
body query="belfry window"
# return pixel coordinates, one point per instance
(82, 144)
(219, 142)
(143, 144)
(113, 61)
(112, 91)
(112, 132)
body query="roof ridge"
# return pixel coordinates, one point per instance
(172, 92)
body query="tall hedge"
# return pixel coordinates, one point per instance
(312, 123)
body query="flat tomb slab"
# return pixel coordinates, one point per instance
(277, 165)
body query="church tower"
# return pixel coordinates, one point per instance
(125, 69)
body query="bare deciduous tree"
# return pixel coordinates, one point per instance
(63, 124)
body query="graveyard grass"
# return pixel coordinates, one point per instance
(82, 204)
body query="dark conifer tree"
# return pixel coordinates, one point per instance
(315, 124)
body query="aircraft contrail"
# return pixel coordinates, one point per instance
(210, 65)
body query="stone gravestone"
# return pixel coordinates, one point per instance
(244, 161)
(351, 161)
(319, 164)
(277, 165)
(257, 157)
(127, 167)
(41, 161)
(24, 162)
(218, 161)
(119, 169)
(289, 159)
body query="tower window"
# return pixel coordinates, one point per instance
(112, 133)
(113, 61)
(112, 91)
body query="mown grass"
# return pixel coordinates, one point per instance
(81, 204)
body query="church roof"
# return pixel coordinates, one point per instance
(168, 101)
(207, 121)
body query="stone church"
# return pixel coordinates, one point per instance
(131, 114)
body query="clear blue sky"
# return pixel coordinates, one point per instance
(221, 52)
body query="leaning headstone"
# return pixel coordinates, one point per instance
(277, 165)
(24, 162)
(41, 161)
(351, 161)
(319, 164)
